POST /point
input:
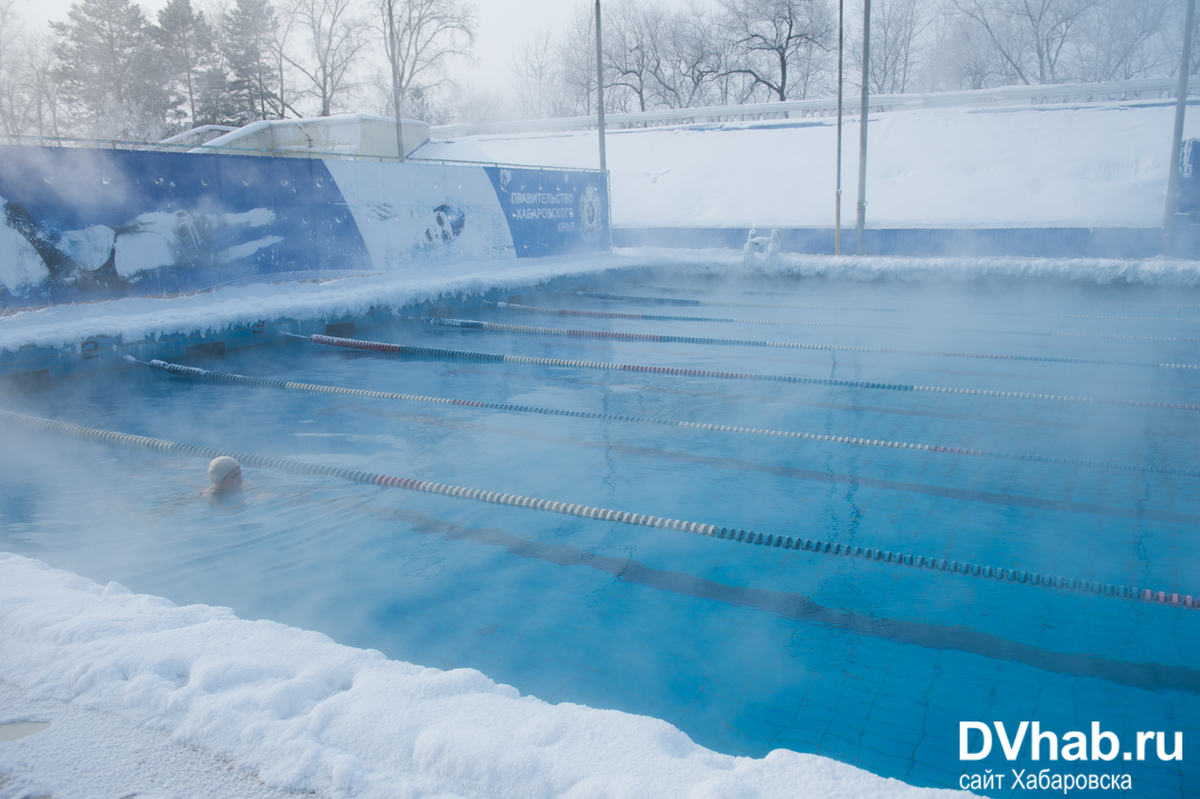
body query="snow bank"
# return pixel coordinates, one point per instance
(135, 318)
(1049, 166)
(1166, 272)
(297, 712)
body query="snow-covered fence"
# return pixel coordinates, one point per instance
(1146, 90)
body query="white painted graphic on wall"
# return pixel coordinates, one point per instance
(423, 215)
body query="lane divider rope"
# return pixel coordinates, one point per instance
(699, 290)
(471, 324)
(226, 378)
(635, 300)
(732, 535)
(723, 320)
(489, 357)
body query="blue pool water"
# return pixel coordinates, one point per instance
(745, 648)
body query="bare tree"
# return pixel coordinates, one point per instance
(42, 90)
(536, 79)
(288, 22)
(897, 27)
(577, 62)
(420, 37)
(1029, 35)
(336, 39)
(692, 59)
(774, 41)
(1123, 39)
(635, 36)
(960, 54)
(11, 99)
(10, 30)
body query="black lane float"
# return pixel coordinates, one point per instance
(471, 324)
(805, 323)
(491, 357)
(225, 378)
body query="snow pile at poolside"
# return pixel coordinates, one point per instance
(1045, 166)
(292, 711)
(134, 318)
(1163, 272)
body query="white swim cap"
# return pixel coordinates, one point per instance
(220, 468)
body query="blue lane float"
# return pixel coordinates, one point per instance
(729, 534)
(225, 378)
(470, 324)
(491, 357)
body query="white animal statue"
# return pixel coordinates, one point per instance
(762, 248)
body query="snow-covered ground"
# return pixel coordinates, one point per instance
(1046, 166)
(145, 698)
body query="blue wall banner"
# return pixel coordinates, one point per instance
(553, 212)
(1189, 179)
(80, 225)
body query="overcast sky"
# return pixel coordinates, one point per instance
(504, 26)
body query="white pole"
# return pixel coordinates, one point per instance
(600, 87)
(1177, 137)
(862, 133)
(837, 210)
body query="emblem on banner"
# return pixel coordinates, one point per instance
(591, 222)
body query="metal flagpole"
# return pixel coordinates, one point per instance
(862, 133)
(837, 212)
(1177, 138)
(600, 87)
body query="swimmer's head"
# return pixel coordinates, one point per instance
(225, 473)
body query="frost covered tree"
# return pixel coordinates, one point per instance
(537, 80)
(694, 55)
(110, 70)
(577, 62)
(777, 43)
(1029, 35)
(1124, 39)
(636, 35)
(898, 30)
(248, 41)
(186, 41)
(420, 38)
(336, 37)
(11, 94)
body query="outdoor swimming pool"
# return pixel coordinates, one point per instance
(745, 648)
